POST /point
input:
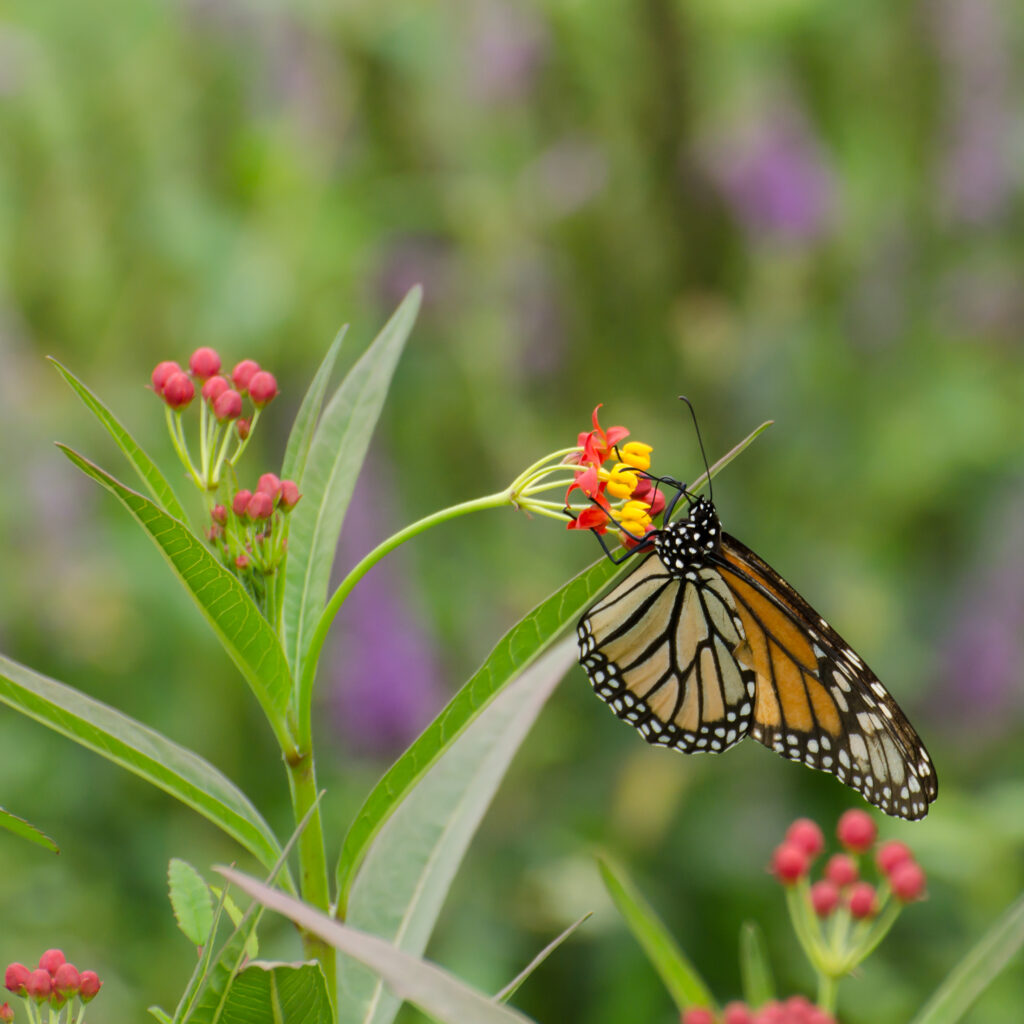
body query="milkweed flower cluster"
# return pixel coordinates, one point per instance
(794, 1010)
(841, 917)
(224, 431)
(606, 481)
(55, 984)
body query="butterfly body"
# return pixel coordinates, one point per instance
(704, 644)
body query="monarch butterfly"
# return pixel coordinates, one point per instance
(703, 643)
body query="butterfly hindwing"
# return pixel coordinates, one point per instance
(817, 702)
(659, 649)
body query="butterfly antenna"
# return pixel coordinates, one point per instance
(700, 442)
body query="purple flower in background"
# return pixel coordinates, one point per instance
(775, 178)
(986, 645)
(415, 259)
(386, 681)
(506, 48)
(976, 177)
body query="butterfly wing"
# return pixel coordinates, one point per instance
(816, 701)
(659, 649)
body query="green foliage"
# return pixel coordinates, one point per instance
(755, 967)
(276, 993)
(510, 989)
(191, 901)
(19, 827)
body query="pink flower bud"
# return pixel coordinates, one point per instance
(228, 406)
(862, 901)
(39, 985)
(243, 373)
(892, 853)
(16, 978)
(698, 1015)
(856, 830)
(289, 494)
(242, 427)
(204, 363)
(6, 1013)
(841, 869)
(907, 881)
(239, 502)
(51, 960)
(161, 373)
(789, 863)
(214, 388)
(89, 985)
(824, 897)
(242, 560)
(737, 1013)
(269, 484)
(178, 391)
(219, 514)
(261, 506)
(262, 388)
(806, 834)
(66, 980)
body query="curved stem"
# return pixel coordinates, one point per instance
(304, 697)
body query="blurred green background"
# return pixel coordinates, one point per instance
(804, 210)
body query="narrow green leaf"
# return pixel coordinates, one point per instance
(232, 909)
(426, 986)
(520, 646)
(755, 968)
(510, 989)
(141, 750)
(684, 984)
(244, 632)
(301, 436)
(335, 458)
(161, 1015)
(408, 870)
(955, 996)
(191, 901)
(277, 993)
(155, 482)
(20, 827)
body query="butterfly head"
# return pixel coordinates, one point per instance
(687, 542)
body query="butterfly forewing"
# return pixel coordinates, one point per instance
(817, 702)
(660, 650)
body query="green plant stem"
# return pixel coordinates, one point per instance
(304, 696)
(828, 989)
(313, 877)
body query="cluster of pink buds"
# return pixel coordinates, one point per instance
(795, 1010)
(250, 531)
(225, 424)
(55, 983)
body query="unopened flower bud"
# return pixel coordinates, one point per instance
(698, 1015)
(262, 388)
(892, 853)
(907, 881)
(51, 960)
(289, 494)
(6, 1013)
(862, 901)
(240, 501)
(204, 363)
(841, 869)
(824, 897)
(242, 560)
(856, 830)
(178, 391)
(219, 514)
(789, 863)
(228, 406)
(269, 484)
(214, 388)
(242, 428)
(39, 985)
(243, 373)
(737, 1013)
(161, 373)
(261, 506)
(16, 978)
(89, 985)
(806, 834)
(66, 980)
